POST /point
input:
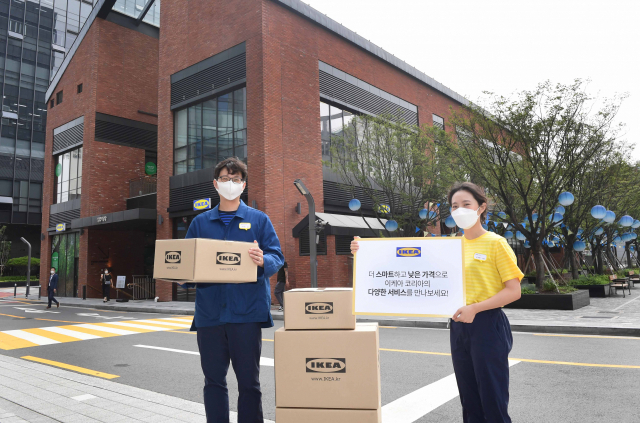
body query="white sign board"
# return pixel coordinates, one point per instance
(409, 277)
(120, 283)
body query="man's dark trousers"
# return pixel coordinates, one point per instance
(242, 344)
(50, 295)
(279, 291)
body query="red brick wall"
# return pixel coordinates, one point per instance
(118, 69)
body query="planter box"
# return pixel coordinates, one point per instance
(595, 290)
(572, 301)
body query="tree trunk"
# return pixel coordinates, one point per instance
(575, 265)
(629, 264)
(540, 267)
(599, 269)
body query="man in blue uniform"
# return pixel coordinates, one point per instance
(229, 317)
(53, 287)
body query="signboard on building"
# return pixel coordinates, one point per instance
(54, 261)
(102, 219)
(58, 169)
(120, 282)
(150, 168)
(202, 204)
(61, 227)
(409, 277)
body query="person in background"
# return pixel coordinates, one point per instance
(282, 284)
(52, 287)
(480, 334)
(229, 317)
(107, 284)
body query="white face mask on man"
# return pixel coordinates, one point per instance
(465, 218)
(53, 272)
(230, 190)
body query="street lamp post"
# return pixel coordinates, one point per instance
(28, 264)
(312, 231)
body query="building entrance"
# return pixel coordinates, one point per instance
(65, 251)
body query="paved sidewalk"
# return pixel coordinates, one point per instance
(36, 393)
(604, 316)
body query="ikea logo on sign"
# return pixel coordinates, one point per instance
(202, 204)
(61, 227)
(408, 252)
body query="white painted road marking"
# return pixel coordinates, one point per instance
(106, 329)
(71, 333)
(83, 397)
(417, 404)
(134, 325)
(264, 361)
(164, 323)
(31, 337)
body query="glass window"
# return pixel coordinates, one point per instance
(6, 189)
(68, 175)
(210, 131)
(332, 123)
(438, 121)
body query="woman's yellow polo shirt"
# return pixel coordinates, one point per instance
(488, 263)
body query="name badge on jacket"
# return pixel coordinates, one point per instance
(481, 257)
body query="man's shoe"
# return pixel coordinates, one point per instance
(48, 307)
(281, 309)
(57, 305)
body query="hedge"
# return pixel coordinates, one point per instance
(22, 262)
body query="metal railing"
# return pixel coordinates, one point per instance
(143, 287)
(142, 186)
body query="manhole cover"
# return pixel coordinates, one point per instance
(597, 317)
(121, 365)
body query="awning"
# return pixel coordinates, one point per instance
(134, 219)
(341, 224)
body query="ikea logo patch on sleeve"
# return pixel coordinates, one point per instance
(202, 204)
(408, 252)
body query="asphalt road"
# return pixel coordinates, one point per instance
(554, 378)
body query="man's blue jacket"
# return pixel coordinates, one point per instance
(220, 303)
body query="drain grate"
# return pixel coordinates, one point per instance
(596, 317)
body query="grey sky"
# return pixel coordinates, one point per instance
(505, 46)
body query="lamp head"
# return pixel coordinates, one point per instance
(301, 187)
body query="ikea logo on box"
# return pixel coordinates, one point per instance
(408, 252)
(202, 204)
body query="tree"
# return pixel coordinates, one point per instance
(526, 151)
(5, 248)
(397, 168)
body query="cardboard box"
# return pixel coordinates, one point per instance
(204, 260)
(319, 415)
(328, 368)
(319, 308)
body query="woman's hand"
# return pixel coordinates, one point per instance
(354, 245)
(465, 314)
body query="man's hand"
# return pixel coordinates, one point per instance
(256, 254)
(55, 291)
(465, 314)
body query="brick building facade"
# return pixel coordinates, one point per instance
(281, 62)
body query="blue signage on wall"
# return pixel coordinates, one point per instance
(202, 204)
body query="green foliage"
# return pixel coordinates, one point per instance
(17, 278)
(548, 286)
(635, 270)
(590, 280)
(22, 262)
(524, 291)
(567, 289)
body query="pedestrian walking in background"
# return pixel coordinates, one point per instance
(282, 284)
(229, 317)
(480, 333)
(52, 287)
(107, 284)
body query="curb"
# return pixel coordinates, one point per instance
(552, 329)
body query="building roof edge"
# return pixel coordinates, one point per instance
(344, 32)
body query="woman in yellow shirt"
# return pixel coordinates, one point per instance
(480, 334)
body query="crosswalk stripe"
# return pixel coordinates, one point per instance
(8, 342)
(36, 339)
(135, 325)
(72, 333)
(106, 329)
(87, 331)
(177, 320)
(51, 335)
(156, 322)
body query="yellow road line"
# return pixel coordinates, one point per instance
(90, 331)
(11, 315)
(587, 336)
(566, 363)
(388, 327)
(109, 325)
(8, 342)
(51, 335)
(70, 367)
(155, 323)
(414, 352)
(270, 340)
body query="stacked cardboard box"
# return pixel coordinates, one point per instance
(327, 367)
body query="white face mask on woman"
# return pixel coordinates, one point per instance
(465, 218)
(230, 190)
(106, 272)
